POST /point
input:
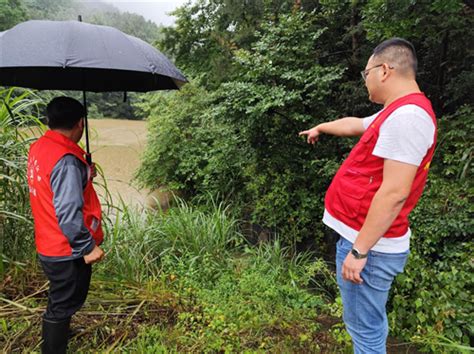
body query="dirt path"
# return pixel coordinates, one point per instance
(116, 146)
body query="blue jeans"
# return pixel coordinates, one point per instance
(364, 311)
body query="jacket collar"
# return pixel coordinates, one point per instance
(65, 141)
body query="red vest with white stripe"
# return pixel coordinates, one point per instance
(358, 179)
(43, 156)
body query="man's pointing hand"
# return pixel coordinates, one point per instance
(312, 135)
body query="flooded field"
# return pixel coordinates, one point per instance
(116, 146)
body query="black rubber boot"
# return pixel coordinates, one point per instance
(76, 331)
(55, 336)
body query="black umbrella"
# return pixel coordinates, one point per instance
(72, 55)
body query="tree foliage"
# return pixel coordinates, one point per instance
(233, 132)
(11, 12)
(442, 31)
(207, 32)
(248, 129)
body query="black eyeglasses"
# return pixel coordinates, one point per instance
(365, 72)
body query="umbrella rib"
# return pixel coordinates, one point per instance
(150, 63)
(66, 34)
(99, 34)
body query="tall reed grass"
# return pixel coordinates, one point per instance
(232, 295)
(20, 114)
(141, 243)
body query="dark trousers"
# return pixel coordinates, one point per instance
(68, 287)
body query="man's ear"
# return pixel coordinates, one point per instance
(385, 72)
(80, 124)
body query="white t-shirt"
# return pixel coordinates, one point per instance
(405, 136)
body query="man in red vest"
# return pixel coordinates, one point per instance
(67, 217)
(376, 187)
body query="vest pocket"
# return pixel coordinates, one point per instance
(363, 147)
(348, 198)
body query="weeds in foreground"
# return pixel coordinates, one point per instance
(157, 289)
(153, 297)
(114, 313)
(19, 112)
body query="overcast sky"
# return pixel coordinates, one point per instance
(154, 10)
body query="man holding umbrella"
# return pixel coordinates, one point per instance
(67, 217)
(72, 55)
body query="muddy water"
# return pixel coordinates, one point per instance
(116, 146)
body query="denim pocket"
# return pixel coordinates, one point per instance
(384, 267)
(343, 244)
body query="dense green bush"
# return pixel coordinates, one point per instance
(196, 154)
(432, 299)
(241, 142)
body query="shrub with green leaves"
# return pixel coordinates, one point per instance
(196, 154)
(432, 299)
(241, 142)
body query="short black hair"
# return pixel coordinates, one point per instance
(399, 52)
(64, 113)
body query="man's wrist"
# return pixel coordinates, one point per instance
(318, 128)
(358, 254)
(361, 245)
(88, 250)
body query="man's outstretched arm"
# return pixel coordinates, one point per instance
(349, 126)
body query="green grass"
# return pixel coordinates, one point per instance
(234, 296)
(15, 137)
(180, 281)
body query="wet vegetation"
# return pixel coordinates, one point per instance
(241, 263)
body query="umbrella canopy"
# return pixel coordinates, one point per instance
(72, 55)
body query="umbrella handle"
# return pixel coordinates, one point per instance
(86, 128)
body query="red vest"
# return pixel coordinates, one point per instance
(43, 156)
(358, 179)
